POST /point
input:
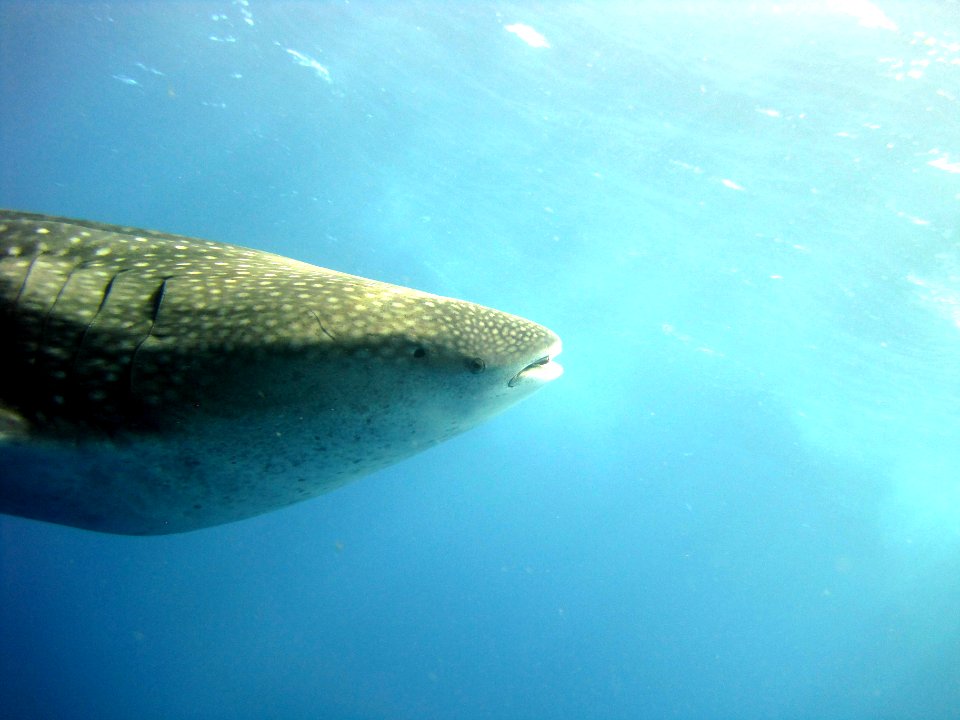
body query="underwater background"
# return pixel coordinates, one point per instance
(741, 500)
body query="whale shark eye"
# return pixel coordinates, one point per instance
(419, 352)
(476, 365)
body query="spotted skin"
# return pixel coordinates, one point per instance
(155, 383)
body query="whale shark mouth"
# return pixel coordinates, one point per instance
(542, 370)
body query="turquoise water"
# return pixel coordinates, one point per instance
(742, 499)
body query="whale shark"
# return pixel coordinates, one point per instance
(155, 383)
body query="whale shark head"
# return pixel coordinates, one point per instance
(159, 383)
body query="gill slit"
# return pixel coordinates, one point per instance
(26, 277)
(103, 301)
(46, 318)
(322, 328)
(156, 300)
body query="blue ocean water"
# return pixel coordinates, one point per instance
(742, 499)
